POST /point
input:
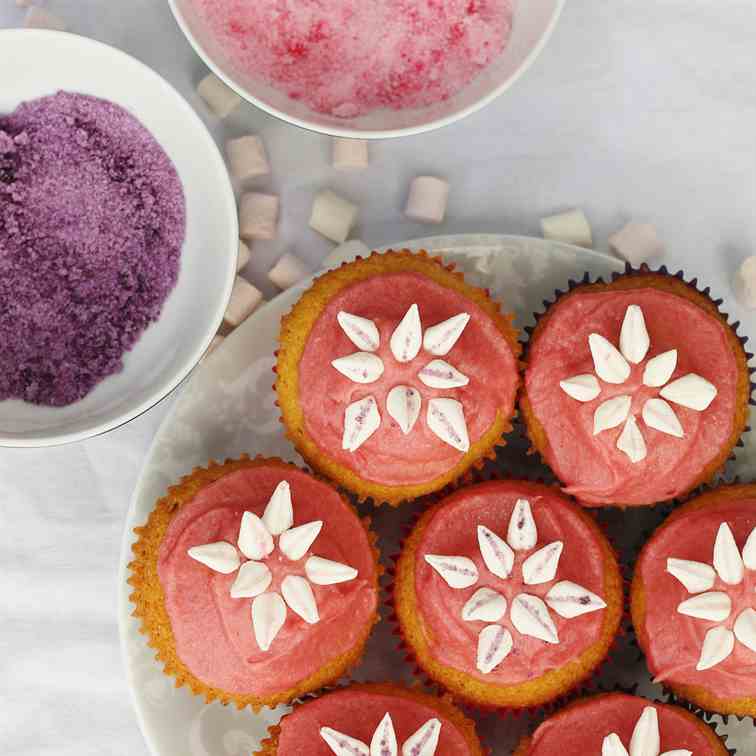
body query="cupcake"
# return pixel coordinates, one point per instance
(255, 582)
(694, 601)
(617, 724)
(383, 719)
(508, 594)
(636, 391)
(395, 376)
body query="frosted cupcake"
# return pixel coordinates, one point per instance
(395, 376)
(255, 582)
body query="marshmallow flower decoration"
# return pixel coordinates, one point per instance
(256, 542)
(423, 742)
(529, 615)
(698, 578)
(613, 366)
(645, 740)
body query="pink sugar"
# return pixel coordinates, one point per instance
(348, 57)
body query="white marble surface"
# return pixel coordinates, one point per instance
(634, 110)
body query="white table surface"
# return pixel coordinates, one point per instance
(634, 110)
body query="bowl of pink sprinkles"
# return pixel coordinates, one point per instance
(118, 242)
(377, 69)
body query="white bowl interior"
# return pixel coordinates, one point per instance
(532, 23)
(38, 63)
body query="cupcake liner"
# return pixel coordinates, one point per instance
(644, 270)
(295, 327)
(148, 600)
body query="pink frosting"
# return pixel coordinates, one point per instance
(357, 713)
(591, 467)
(580, 729)
(675, 640)
(213, 632)
(453, 531)
(389, 457)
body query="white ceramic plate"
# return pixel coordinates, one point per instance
(36, 63)
(533, 23)
(227, 408)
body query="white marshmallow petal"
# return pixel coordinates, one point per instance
(360, 367)
(745, 628)
(403, 405)
(288, 271)
(258, 216)
(268, 617)
(522, 533)
(343, 745)
(749, 551)
(657, 414)
(714, 606)
(691, 391)
(252, 580)
(631, 441)
(247, 157)
(570, 600)
(441, 338)
(243, 257)
(727, 560)
(485, 605)
(659, 369)
(427, 200)
(295, 542)
(530, 616)
(542, 566)
(646, 740)
(636, 243)
(349, 154)
(457, 572)
(612, 746)
(494, 645)
(744, 283)
(583, 387)
(38, 18)
(384, 739)
(333, 216)
(496, 553)
(245, 299)
(571, 227)
(299, 597)
(220, 557)
(327, 572)
(611, 413)
(220, 98)
(695, 576)
(634, 338)
(361, 420)
(425, 741)
(363, 333)
(441, 375)
(279, 512)
(255, 540)
(446, 419)
(608, 361)
(407, 337)
(718, 644)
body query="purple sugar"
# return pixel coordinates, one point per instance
(92, 220)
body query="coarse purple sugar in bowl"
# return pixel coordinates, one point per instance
(92, 221)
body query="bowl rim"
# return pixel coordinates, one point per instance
(167, 386)
(349, 133)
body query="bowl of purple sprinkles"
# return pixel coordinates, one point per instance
(118, 238)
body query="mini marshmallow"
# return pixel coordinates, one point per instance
(571, 227)
(333, 216)
(427, 199)
(245, 299)
(221, 99)
(38, 18)
(636, 243)
(258, 216)
(243, 257)
(345, 252)
(247, 158)
(744, 283)
(288, 271)
(350, 154)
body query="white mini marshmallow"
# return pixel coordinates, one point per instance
(571, 227)
(744, 283)
(243, 257)
(350, 154)
(288, 271)
(427, 199)
(333, 216)
(221, 99)
(247, 158)
(245, 299)
(346, 252)
(38, 18)
(258, 216)
(636, 243)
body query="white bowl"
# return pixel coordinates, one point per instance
(532, 25)
(39, 62)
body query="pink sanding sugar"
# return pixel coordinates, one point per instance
(348, 57)
(92, 220)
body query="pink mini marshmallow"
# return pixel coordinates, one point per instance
(243, 257)
(636, 243)
(245, 299)
(350, 154)
(38, 18)
(427, 199)
(288, 271)
(258, 216)
(221, 99)
(247, 157)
